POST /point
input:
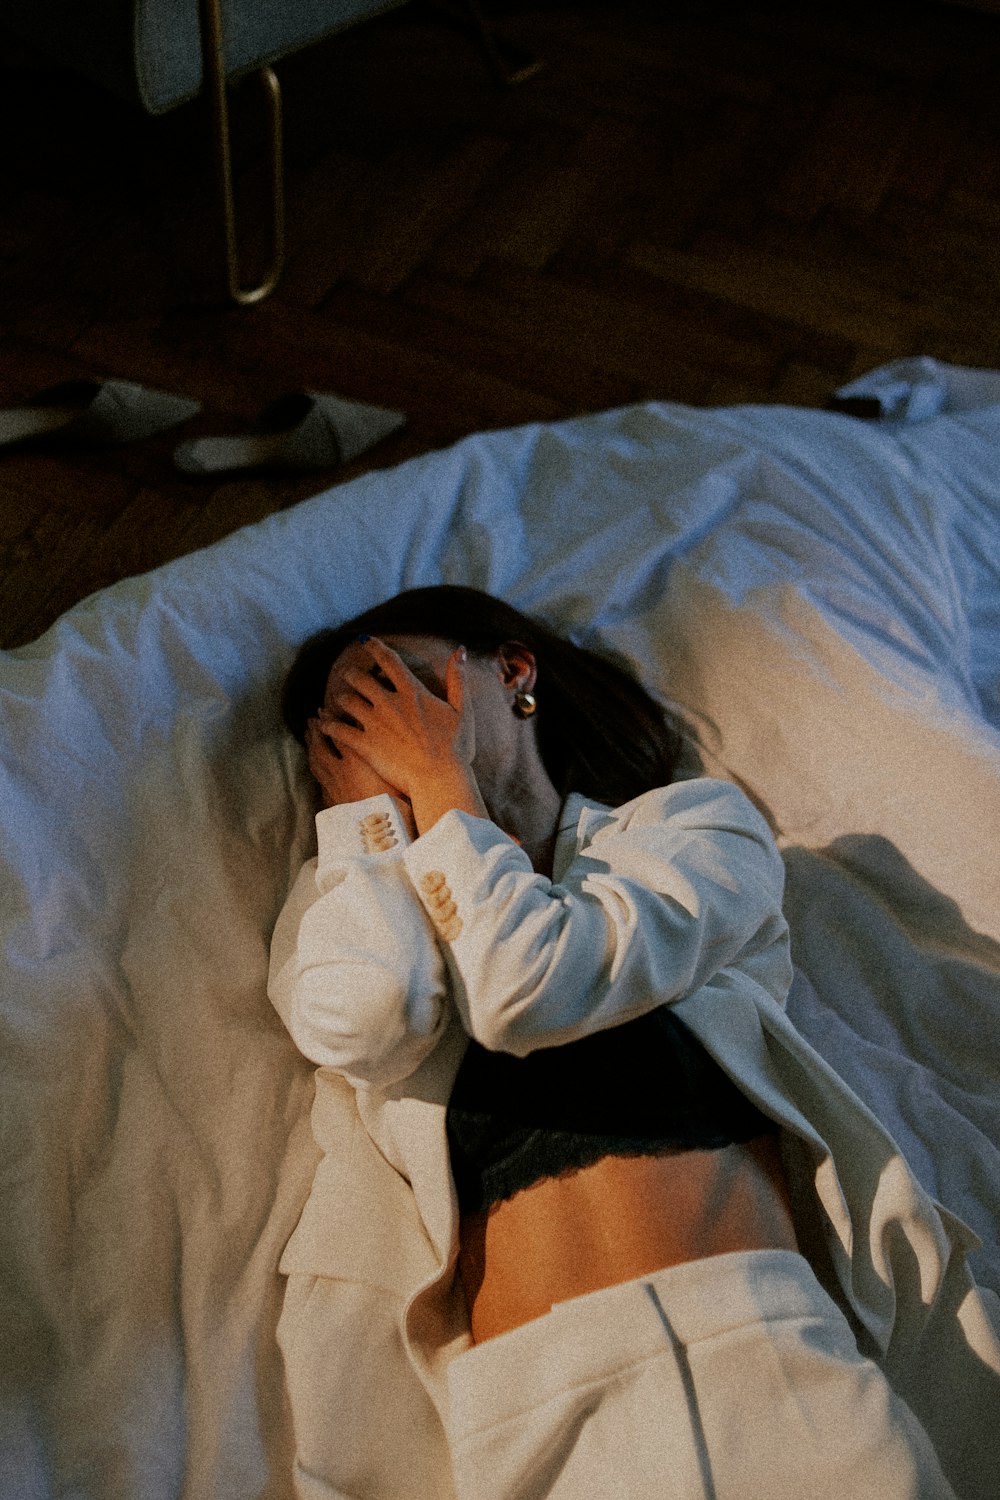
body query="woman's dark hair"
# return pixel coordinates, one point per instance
(599, 732)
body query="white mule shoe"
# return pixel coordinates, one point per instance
(95, 411)
(304, 430)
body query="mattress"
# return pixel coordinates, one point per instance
(819, 594)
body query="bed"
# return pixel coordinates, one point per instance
(821, 596)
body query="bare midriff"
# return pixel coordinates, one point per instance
(617, 1219)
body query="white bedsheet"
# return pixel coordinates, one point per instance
(822, 596)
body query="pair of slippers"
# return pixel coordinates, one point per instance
(304, 430)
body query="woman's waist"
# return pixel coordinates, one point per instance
(618, 1218)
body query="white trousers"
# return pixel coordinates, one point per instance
(732, 1378)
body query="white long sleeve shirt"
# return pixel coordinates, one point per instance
(390, 953)
(678, 889)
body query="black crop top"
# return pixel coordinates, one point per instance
(633, 1090)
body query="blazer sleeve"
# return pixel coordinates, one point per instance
(669, 893)
(356, 972)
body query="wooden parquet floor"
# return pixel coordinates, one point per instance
(750, 205)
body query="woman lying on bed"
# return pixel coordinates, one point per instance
(591, 1219)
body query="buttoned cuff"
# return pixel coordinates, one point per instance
(446, 865)
(373, 826)
(440, 904)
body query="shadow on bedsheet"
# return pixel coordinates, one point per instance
(902, 997)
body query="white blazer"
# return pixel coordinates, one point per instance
(390, 953)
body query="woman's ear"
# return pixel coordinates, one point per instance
(518, 668)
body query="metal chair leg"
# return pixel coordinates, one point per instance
(214, 72)
(508, 63)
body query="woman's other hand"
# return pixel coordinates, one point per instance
(343, 776)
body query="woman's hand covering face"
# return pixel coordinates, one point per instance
(342, 774)
(410, 736)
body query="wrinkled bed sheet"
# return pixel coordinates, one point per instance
(821, 595)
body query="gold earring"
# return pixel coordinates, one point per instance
(524, 705)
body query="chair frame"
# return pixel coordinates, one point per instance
(513, 68)
(217, 85)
